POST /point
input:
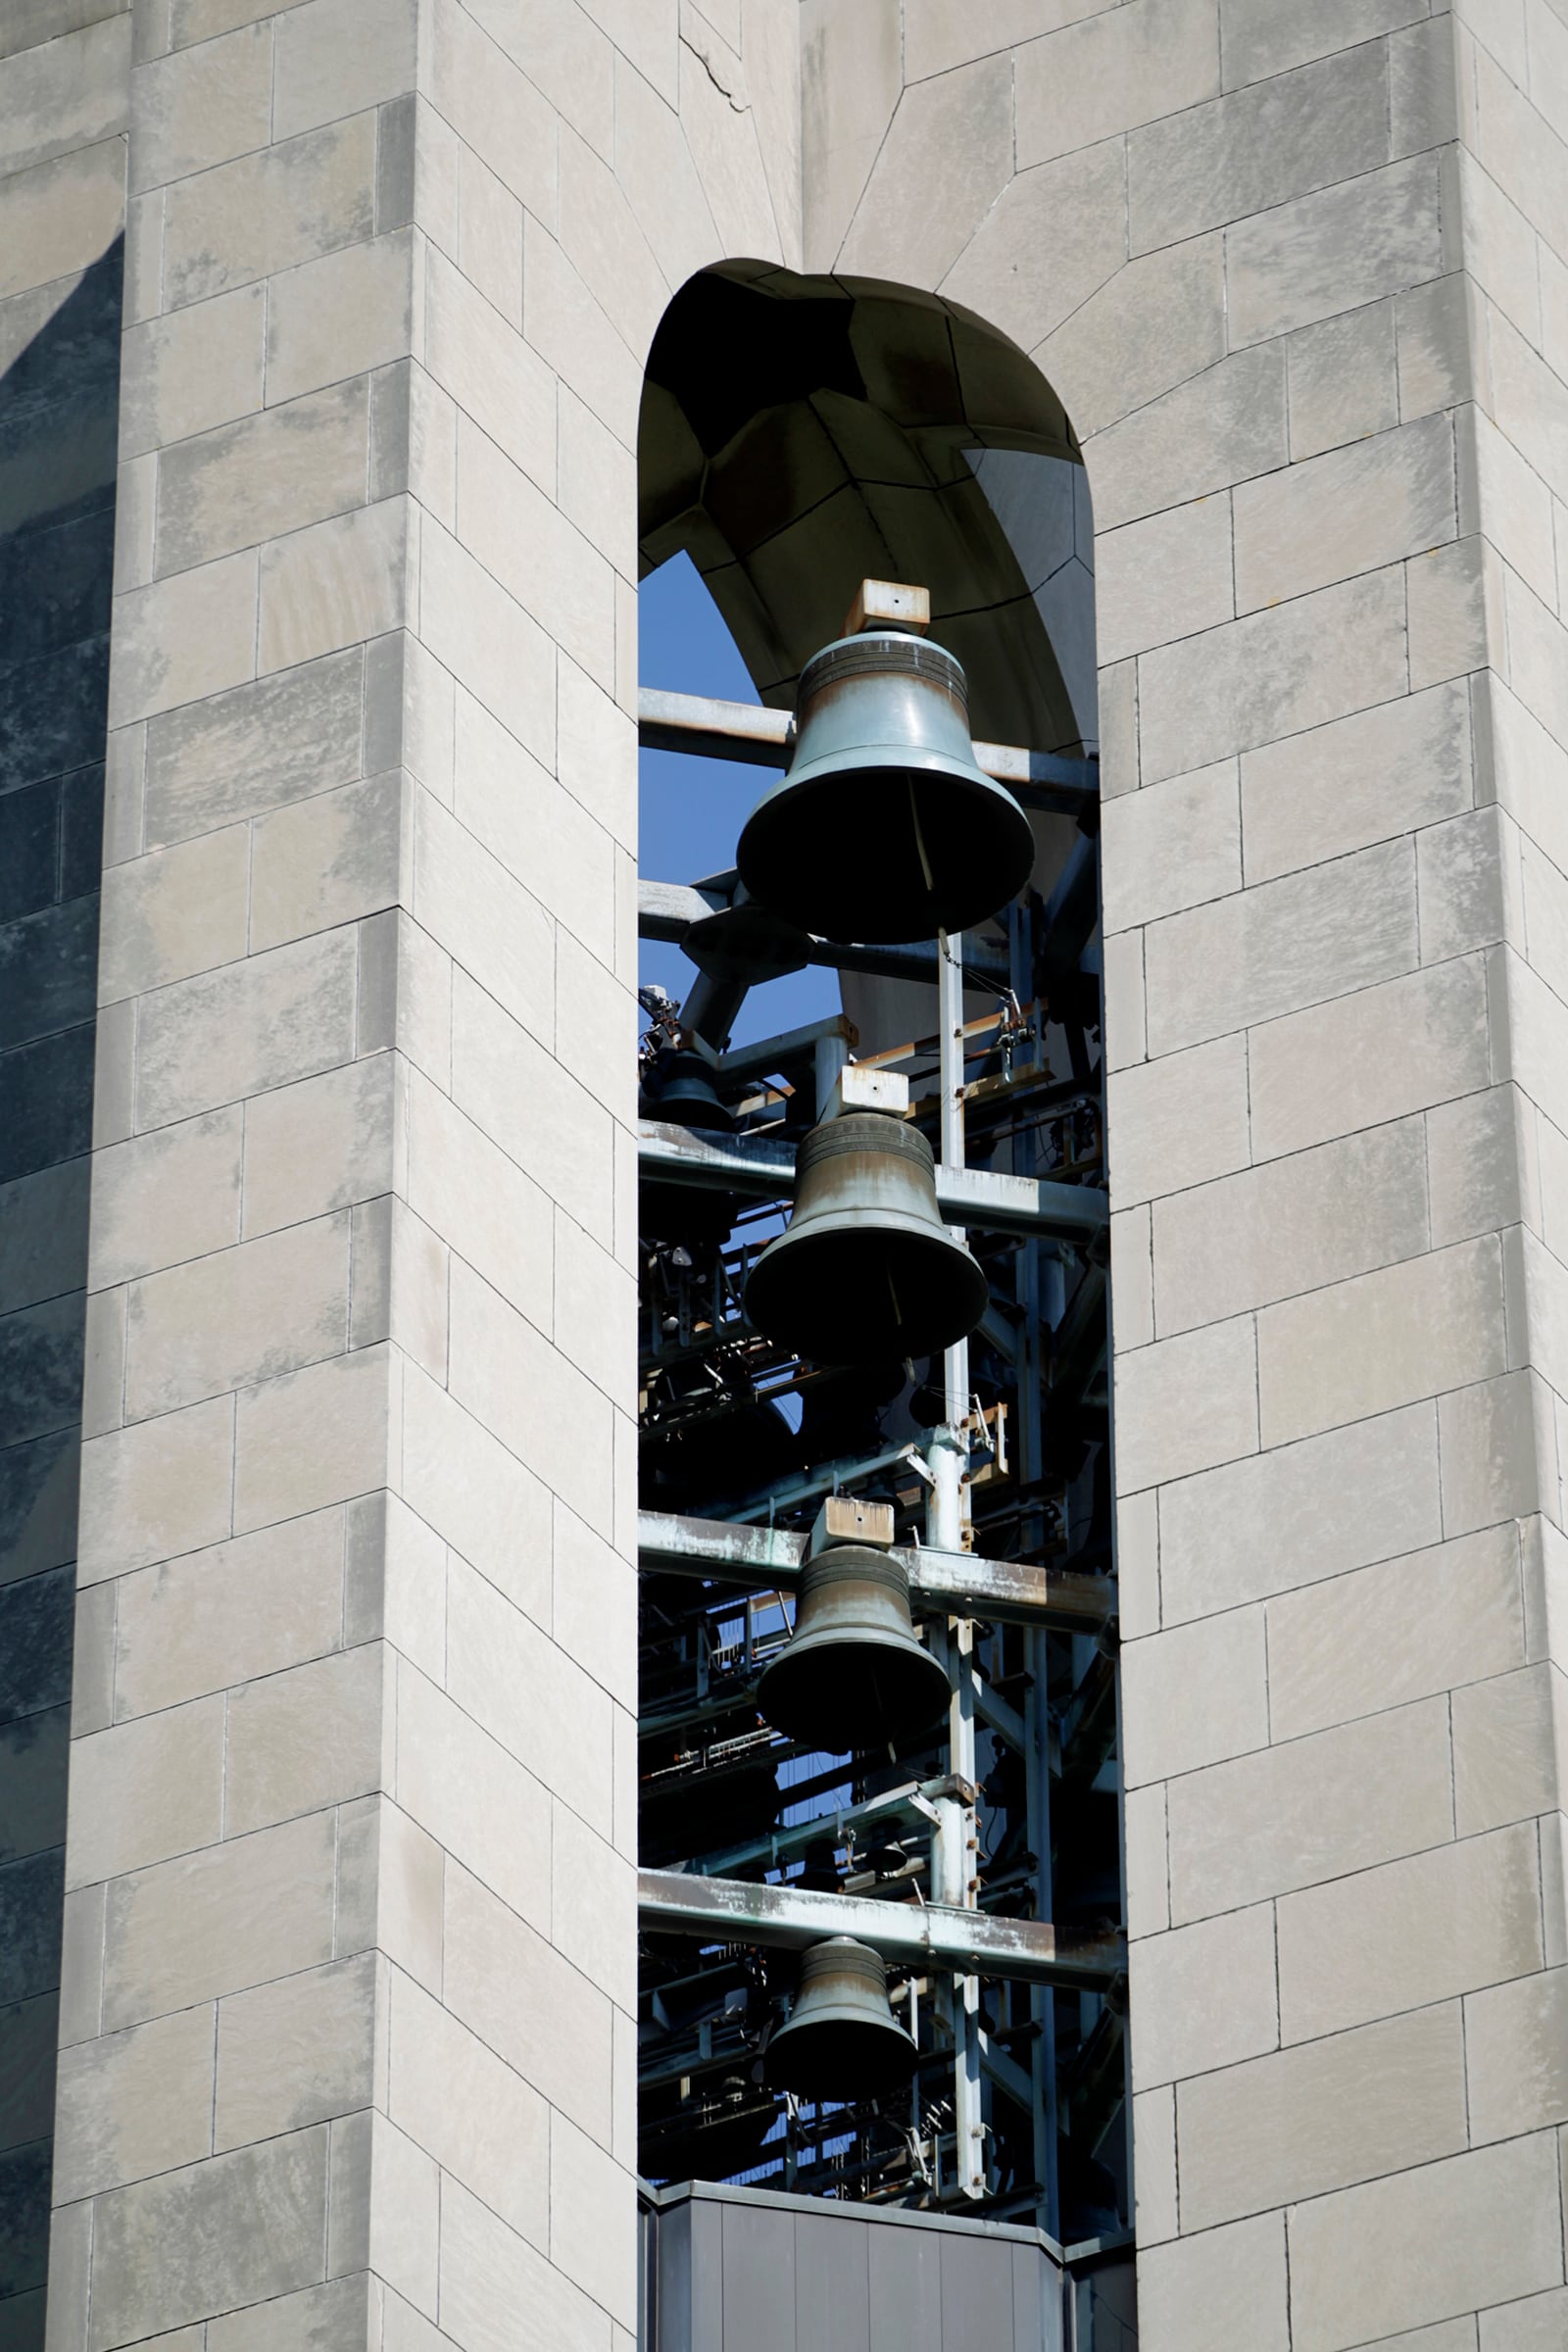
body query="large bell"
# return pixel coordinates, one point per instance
(853, 1674)
(842, 2040)
(885, 828)
(866, 1269)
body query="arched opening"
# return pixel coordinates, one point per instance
(800, 437)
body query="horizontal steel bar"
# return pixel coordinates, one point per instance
(666, 911)
(936, 1935)
(762, 1169)
(951, 1584)
(761, 738)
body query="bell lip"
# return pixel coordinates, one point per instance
(896, 2045)
(793, 1666)
(787, 1329)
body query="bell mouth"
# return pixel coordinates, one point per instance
(857, 1293)
(884, 854)
(843, 1691)
(840, 2057)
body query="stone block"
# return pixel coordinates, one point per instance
(1374, 235)
(1319, 1809)
(163, 1197)
(235, 2230)
(947, 154)
(489, 2273)
(134, 2103)
(183, 638)
(173, 913)
(524, 542)
(1222, 2286)
(563, 1733)
(1186, 1404)
(384, 2211)
(489, 371)
(1359, 780)
(214, 1921)
(265, 213)
(587, 2187)
(256, 747)
(1113, 71)
(1400, 1630)
(566, 326)
(1491, 1453)
(154, 1491)
(530, 1397)
(1266, 951)
(1195, 1695)
(591, 1612)
(313, 1438)
(1379, 1053)
(266, 474)
(1494, 480)
(1452, 594)
(191, 371)
(494, 108)
(527, 2002)
(1291, 1226)
(332, 583)
(1415, 1932)
(593, 1906)
(1132, 1287)
(276, 1017)
(1206, 1997)
(1172, 846)
(1510, 1748)
(536, 828)
(518, 1094)
(1265, 38)
(295, 2052)
(473, 1798)
(145, 1790)
(200, 107)
(330, 860)
(1423, 2245)
(489, 251)
(477, 1494)
(1384, 2099)
(244, 1610)
(337, 57)
(457, 2099)
(1380, 1340)
(342, 316)
(64, 85)
(310, 1737)
(62, 215)
(319, 2318)
(1534, 2325)
(319, 1146)
(1164, 577)
(484, 638)
(238, 1315)
(1469, 884)
(1179, 1121)
(1256, 148)
(1153, 2114)
(595, 1308)
(1122, 996)
(1272, 673)
(466, 1190)
(1223, 426)
(1516, 2056)
(1343, 382)
(1479, 1164)
(1159, 322)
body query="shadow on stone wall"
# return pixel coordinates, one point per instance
(58, 401)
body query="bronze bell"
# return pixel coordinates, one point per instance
(679, 1090)
(842, 2040)
(866, 1269)
(884, 828)
(853, 1674)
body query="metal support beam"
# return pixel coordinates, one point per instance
(924, 1936)
(666, 911)
(941, 1583)
(761, 738)
(762, 1169)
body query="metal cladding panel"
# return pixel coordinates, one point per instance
(832, 2285)
(905, 2273)
(976, 2293)
(758, 2280)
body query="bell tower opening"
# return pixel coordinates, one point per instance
(882, 1917)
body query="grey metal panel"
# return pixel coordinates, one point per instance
(906, 2280)
(706, 2292)
(1038, 2313)
(832, 2285)
(672, 2268)
(976, 2294)
(758, 2280)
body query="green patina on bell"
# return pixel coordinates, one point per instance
(842, 2040)
(853, 1674)
(885, 828)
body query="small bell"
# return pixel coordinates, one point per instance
(866, 1270)
(853, 1674)
(884, 827)
(842, 2040)
(679, 1089)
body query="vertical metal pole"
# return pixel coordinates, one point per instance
(832, 1055)
(958, 1840)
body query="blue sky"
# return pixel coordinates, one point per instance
(692, 810)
